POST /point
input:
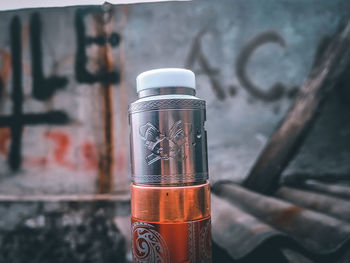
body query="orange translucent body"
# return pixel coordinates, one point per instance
(170, 204)
(177, 219)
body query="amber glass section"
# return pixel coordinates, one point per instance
(170, 204)
(171, 224)
(188, 242)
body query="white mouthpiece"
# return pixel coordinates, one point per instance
(165, 77)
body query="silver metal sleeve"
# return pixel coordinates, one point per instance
(168, 141)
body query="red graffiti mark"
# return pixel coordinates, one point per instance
(36, 161)
(89, 155)
(6, 65)
(61, 149)
(5, 136)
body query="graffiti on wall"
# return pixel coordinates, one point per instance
(277, 91)
(12, 127)
(44, 88)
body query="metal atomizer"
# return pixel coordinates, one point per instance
(170, 194)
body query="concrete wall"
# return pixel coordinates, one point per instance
(65, 156)
(63, 105)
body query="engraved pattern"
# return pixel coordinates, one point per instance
(148, 245)
(165, 145)
(205, 242)
(167, 104)
(191, 241)
(168, 178)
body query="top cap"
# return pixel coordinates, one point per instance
(165, 77)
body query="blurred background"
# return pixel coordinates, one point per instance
(67, 75)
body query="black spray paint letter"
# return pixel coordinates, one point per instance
(18, 120)
(43, 88)
(81, 59)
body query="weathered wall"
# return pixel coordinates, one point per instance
(67, 150)
(63, 108)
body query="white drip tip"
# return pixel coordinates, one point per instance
(165, 77)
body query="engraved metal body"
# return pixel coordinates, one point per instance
(170, 192)
(168, 137)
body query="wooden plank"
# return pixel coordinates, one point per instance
(330, 63)
(319, 235)
(106, 65)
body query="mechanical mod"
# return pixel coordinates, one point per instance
(170, 193)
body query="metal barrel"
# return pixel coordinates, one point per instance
(168, 138)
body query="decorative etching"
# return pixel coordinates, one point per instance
(168, 178)
(148, 245)
(205, 242)
(166, 145)
(167, 104)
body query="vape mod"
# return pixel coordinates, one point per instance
(170, 193)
